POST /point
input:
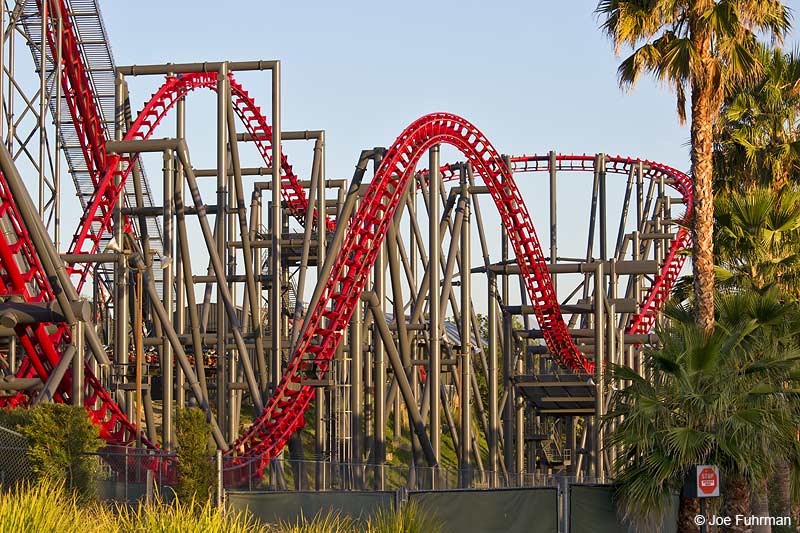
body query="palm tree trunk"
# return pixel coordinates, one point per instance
(759, 505)
(702, 164)
(780, 496)
(688, 509)
(736, 503)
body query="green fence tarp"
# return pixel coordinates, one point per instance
(118, 491)
(131, 493)
(512, 510)
(592, 509)
(272, 507)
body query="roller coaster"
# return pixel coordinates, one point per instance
(290, 321)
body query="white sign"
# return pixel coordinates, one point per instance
(707, 481)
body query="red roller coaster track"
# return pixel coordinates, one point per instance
(97, 217)
(284, 413)
(644, 320)
(22, 273)
(96, 220)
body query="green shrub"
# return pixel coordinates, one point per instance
(60, 440)
(14, 418)
(196, 470)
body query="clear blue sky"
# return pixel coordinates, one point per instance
(532, 76)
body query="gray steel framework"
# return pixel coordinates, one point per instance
(442, 351)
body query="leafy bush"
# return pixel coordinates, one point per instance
(196, 470)
(60, 440)
(14, 418)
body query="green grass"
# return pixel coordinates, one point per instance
(48, 507)
(182, 518)
(410, 519)
(400, 452)
(45, 507)
(330, 522)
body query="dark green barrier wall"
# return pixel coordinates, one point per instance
(592, 510)
(118, 491)
(513, 510)
(272, 507)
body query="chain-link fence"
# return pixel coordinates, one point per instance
(285, 473)
(15, 466)
(129, 474)
(122, 474)
(130, 470)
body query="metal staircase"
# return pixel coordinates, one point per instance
(290, 296)
(96, 56)
(555, 454)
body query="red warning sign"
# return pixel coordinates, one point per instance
(707, 481)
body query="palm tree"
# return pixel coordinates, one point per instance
(718, 398)
(757, 247)
(704, 46)
(757, 243)
(756, 140)
(757, 147)
(758, 240)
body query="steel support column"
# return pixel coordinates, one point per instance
(78, 362)
(180, 289)
(121, 305)
(494, 426)
(379, 373)
(599, 353)
(356, 392)
(466, 341)
(276, 224)
(221, 249)
(167, 358)
(434, 329)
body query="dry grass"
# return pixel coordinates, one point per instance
(47, 507)
(410, 519)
